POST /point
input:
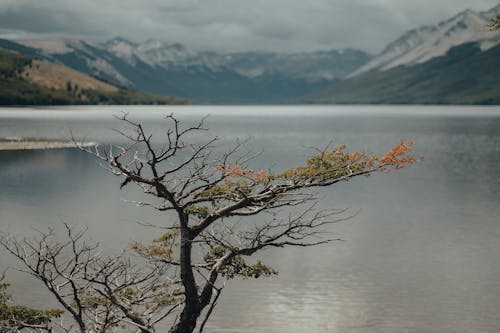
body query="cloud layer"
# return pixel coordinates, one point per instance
(232, 25)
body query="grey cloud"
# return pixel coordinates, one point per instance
(29, 19)
(235, 25)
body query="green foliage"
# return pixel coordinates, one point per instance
(162, 298)
(17, 316)
(228, 188)
(201, 212)
(161, 248)
(236, 265)
(330, 164)
(92, 300)
(327, 165)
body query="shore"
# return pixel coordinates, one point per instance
(30, 144)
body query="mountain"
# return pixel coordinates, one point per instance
(202, 77)
(425, 43)
(160, 54)
(430, 64)
(309, 66)
(454, 62)
(28, 81)
(465, 75)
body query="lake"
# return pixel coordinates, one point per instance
(421, 255)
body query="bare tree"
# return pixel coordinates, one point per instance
(204, 245)
(99, 293)
(204, 191)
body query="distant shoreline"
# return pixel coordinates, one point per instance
(33, 144)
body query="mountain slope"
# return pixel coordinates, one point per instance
(250, 77)
(202, 77)
(309, 66)
(25, 81)
(425, 43)
(465, 75)
(313, 66)
(60, 77)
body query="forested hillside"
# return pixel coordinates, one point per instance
(25, 81)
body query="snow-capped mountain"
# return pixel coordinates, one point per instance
(173, 69)
(311, 66)
(206, 77)
(159, 53)
(425, 43)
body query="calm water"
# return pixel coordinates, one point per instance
(422, 255)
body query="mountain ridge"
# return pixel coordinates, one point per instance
(169, 68)
(28, 81)
(465, 75)
(424, 43)
(203, 77)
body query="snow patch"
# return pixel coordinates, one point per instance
(425, 43)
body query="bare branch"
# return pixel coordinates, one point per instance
(207, 189)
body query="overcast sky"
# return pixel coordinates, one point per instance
(232, 25)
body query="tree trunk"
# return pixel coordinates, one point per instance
(191, 311)
(187, 322)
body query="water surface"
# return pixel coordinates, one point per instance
(422, 254)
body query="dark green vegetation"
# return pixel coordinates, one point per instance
(16, 90)
(463, 76)
(16, 317)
